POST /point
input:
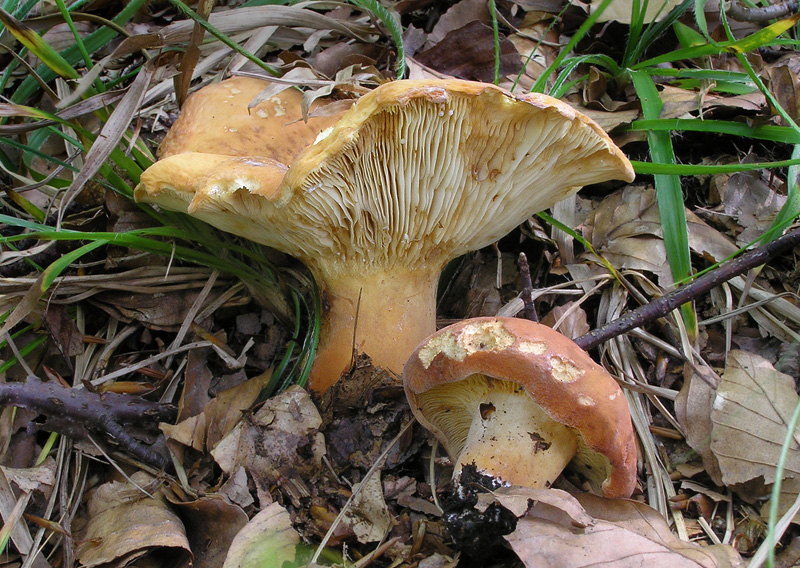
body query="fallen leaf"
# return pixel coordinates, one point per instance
(267, 540)
(751, 411)
(368, 515)
(211, 525)
(126, 524)
(571, 319)
(457, 16)
(282, 433)
(623, 534)
(693, 411)
(747, 203)
(519, 500)
(468, 53)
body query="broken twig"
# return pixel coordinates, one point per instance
(77, 413)
(665, 304)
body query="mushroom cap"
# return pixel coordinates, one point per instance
(565, 382)
(219, 119)
(414, 174)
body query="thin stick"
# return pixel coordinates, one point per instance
(665, 304)
(527, 287)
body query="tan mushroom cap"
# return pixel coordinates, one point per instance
(218, 119)
(551, 370)
(415, 174)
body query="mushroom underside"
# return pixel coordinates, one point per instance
(496, 425)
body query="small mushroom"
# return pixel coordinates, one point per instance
(520, 401)
(415, 174)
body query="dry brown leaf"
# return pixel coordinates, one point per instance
(678, 101)
(626, 229)
(368, 516)
(458, 16)
(790, 489)
(270, 438)
(751, 410)
(693, 411)
(211, 525)
(622, 534)
(267, 540)
(783, 82)
(126, 524)
(746, 202)
(571, 319)
(519, 500)
(468, 53)
(620, 11)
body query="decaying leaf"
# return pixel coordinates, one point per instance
(267, 540)
(283, 433)
(468, 53)
(693, 411)
(368, 515)
(751, 410)
(571, 320)
(747, 204)
(585, 530)
(211, 525)
(621, 10)
(626, 229)
(125, 523)
(220, 416)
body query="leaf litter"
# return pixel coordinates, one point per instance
(257, 482)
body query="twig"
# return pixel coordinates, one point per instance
(760, 14)
(665, 304)
(527, 288)
(79, 412)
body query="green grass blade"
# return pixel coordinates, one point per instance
(752, 42)
(783, 134)
(87, 60)
(653, 32)
(496, 33)
(395, 31)
(93, 42)
(39, 47)
(541, 83)
(790, 209)
(654, 168)
(668, 192)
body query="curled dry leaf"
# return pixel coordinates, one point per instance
(211, 525)
(220, 417)
(620, 11)
(125, 524)
(567, 531)
(267, 540)
(274, 436)
(751, 410)
(368, 515)
(693, 411)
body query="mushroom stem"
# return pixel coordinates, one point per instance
(512, 439)
(385, 315)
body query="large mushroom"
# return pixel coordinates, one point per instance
(520, 401)
(415, 174)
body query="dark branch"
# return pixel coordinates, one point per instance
(761, 14)
(665, 304)
(80, 412)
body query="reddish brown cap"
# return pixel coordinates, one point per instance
(563, 380)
